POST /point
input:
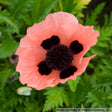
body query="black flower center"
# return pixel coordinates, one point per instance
(59, 57)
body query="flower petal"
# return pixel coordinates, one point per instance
(81, 67)
(53, 79)
(31, 53)
(19, 50)
(86, 36)
(35, 80)
(31, 76)
(52, 25)
(61, 21)
(41, 31)
(29, 58)
(61, 18)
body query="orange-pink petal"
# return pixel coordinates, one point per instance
(81, 67)
(37, 81)
(29, 58)
(33, 79)
(87, 36)
(31, 53)
(52, 25)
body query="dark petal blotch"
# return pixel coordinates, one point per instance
(46, 44)
(55, 40)
(43, 68)
(68, 72)
(76, 47)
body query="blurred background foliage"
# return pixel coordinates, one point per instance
(93, 89)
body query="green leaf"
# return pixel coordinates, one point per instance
(18, 8)
(3, 77)
(5, 2)
(5, 17)
(102, 79)
(91, 20)
(99, 51)
(108, 20)
(106, 69)
(41, 9)
(105, 33)
(79, 94)
(81, 4)
(68, 7)
(107, 62)
(32, 106)
(110, 96)
(48, 10)
(36, 9)
(72, 6)
(73, 83)
(6, 110)
(97, 96)
(55, 97)
(19, 108)
(8, 47)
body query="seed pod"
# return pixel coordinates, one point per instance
(13, 59)
(26, 91)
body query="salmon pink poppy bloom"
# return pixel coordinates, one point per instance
(52, 51)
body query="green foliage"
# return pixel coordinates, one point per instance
(32, 107)
(72, 6)
(7, 42)
(93, 89)
(5, 17)
(55, 97)
(8, 97)
(4, 2)
(18, 8)
(40, 9)
(48, 9)
(73, 83)
(91, 20)
(99, 98)
(3, 77)
(105, 33)
(83, 87)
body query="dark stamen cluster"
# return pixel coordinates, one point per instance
(59, 57)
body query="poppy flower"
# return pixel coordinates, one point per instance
(52, 51)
